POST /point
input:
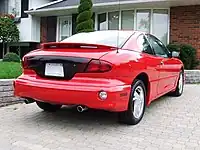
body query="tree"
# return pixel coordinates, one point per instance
(84, 19)
(8, 30)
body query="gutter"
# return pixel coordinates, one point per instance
(94, 5)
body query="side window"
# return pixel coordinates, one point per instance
(144, 45)
(158, 47)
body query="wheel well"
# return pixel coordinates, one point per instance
(182, 69)
(144, 77)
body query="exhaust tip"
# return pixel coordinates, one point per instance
(81, 108)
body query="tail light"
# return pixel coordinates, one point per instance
(98, 66)
(25, 63)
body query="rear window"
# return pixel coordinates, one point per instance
(109, 38)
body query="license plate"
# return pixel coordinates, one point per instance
(54, 69)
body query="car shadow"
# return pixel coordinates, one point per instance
(90, 118)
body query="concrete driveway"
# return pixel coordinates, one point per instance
(169, 123)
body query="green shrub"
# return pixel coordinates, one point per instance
(10, 70)
(84, 19)
(85, 26)
(11, 57)
(84, 16)
(187, 54)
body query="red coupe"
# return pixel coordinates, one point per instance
(117, 71)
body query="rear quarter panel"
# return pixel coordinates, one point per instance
(126, 65)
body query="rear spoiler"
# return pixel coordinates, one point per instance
(59, 45)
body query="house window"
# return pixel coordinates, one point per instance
(127, 17)
(143, 20)
(102, 24)
(160, 24)
(24, 7)
(14, 7)
(113, 20)
(154, 21)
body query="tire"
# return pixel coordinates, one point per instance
(48, 107)
(130, 116)
(179, 87)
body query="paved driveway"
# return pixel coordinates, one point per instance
(169, 123)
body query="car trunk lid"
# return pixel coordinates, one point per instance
(64, 60)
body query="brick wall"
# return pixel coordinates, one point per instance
(185, 26)
(6, 93)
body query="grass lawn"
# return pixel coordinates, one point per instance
(10, 70)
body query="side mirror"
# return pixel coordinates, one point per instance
(175, 54)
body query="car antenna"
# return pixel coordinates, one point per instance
(118, 30)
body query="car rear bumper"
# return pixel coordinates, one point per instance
(74, 94)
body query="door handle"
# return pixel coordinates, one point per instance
(162, 63)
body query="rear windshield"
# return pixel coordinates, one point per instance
(109, 38)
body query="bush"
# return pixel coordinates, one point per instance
(11, 57)
(84, 19)
(10, 70)
(187, 54)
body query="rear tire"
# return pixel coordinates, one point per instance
(137, 104)
(48, 107)
(180, 85)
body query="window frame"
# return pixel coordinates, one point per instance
(135, 18)
(166, 51)
(153, 52)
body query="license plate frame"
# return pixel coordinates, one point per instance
(54, 70)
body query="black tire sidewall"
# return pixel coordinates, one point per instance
(181, 74)
(131, 103)
(177, 92)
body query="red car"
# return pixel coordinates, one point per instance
(117, 71)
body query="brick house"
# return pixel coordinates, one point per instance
(171, 20)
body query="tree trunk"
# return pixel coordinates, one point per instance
(3, 48)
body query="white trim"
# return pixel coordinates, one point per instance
(96, 21)
(107, 23)
(95, 5)
(57, 30)
(151, 21)
(47, 4)
(168, 40)
(120, 20)
(135, 19)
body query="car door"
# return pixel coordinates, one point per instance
(152, 64)
(167, 77)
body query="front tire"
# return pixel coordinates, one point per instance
(137, 103)
(180, 85)
(48, 107)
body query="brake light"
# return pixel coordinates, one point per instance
(25, 63)
(98, 66)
